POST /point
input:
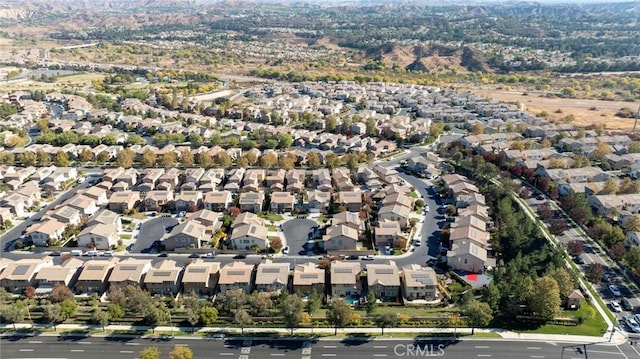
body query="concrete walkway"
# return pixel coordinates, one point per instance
(615, 339)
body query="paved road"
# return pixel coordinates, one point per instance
(296, 231)
(54, 347)
(152, 230)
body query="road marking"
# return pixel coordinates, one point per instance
(379, 355)
(482, 347)
(126, 351)
(35, 342)
(77, 350)
(484, 355)
(534, 348)
(26, 350)
(537, 356)
(328, 355)
(226, 354)
(277, 354)
(131, 343)
(330, 346)
(84, 342)
(604, 352)
(380, 346)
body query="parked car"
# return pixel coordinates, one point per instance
(626, 304)
(285, 250)
(615, 291)
(81, 180)
(387, 250)
(368, 257)
(632, 324)
(615, 306)
(163, 255)
(194, 255)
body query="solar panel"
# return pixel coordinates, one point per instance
(419, 275)
(343, 270)
(94, 268)
(308, 276)
(128, 268)
(21, 269)
(384, 271)
(236, 272)
(197, 270)
(162, 274)
(270, 270)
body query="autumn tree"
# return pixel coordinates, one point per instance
(339, 314)
(168, 159)
(545, 298)
(150, 353)
(181, 352)
(242, 319)
(222, 159)
(575, 247)
(60, 293)
(594, 273)
(633, 224)
(125, 158)
(186, 158)
(62, 159)
(269, 160)
(545, 212)
(148, 158)
(313, 160)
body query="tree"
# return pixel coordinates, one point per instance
(339, 314)
(186, 158)
(11, 314)
(371, 303)
(43, 157)
(291, 309)
(222, 159)
(150, 353)
(153, 316)
(60, 293)
(610, 186)
(29, 292)
(208, 315)
(557, 226)
(313, 302)
(68, 308)
(53, 315)
(148, 158)
(545, 212)
(181, 352)
(479, 314)
(633, 224)
(313, 160)
(261, 303)
(100, 317)
(115, 311)
(634, 147)
(103, 157)
(193, 317)
(386, 320)
(231, 300)
(617, 251)
(564, 280)
(242, 319)
(575, 247)
(124, 158)
(545, 298)
(167, 160)
(477, 129)
(84, 156)
(134, 139)
(594, 273)
(62, 159)
(269, 160)
(632, 257)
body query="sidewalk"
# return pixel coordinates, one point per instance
(616, 339)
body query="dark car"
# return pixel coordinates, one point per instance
(240, 256)
(626, 304)
(540, 197)
(194, 255)
(163, 255)
(130, 247)
(55, 254)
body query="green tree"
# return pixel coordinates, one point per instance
(313, 302)
(372, 303)
(150, 353)
(386, 320)
(115, 311)
(110, 140)
(313, 160)
(632, 257)
(230, 301)
(634, 147)
(53, 315)
(11, 314)
(208, 315)
(242, 319)
(134, 139)
(330, 123)
(193, 317)
(62, 159)
(478, 314)
(564, 280)
(291, 310)
(339, 314)
(85, 156)
(545, 298)
(633, 224)
(100, 317)
(68, 308)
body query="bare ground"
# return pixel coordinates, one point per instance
(585, 111)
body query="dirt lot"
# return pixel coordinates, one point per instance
(586, 112)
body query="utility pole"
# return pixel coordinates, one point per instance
(635, 123)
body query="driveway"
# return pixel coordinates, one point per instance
(296, 232)
(152, 230)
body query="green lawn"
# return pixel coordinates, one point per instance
(125, 236)
(593, 325)
(272, 228)
(414, 194)
(271, 217)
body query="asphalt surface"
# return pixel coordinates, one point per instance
(111, 347)
(296, 231)
(152, 230)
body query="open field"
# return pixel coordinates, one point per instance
(586, 112)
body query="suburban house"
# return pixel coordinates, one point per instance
(99, 195)
(469, 233)
(218, 201)
(419, 283)
(130, 271)
(388, 233)
(317, 201)
(351, 201)
(322, 180)
(236, 275)
(397, 213)
(306, 278)
(66, 214)
(106, 217)
(163, 278)
(211, 220)
(340, 238)
(397, 198)
(49, 229)
(20, 274)
(249, 236)
(16, 203)
(157, 200)
(66, 273)
(123, 202)
(384, 281)
(201, 277)
(94, 275)
(99, 236)
(188, 234)
(247, 218)
(282, 202)
(349, 219)
(188, 201)
(467, 256)
(251, 201)
(150, 179)
(272, 277)
(345, 280)
(85, 205)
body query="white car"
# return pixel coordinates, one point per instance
(615, 290)
(615, 306)
(369, 257)
(426, 208)
(81, 180)
(632, 324)
(285, 250)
